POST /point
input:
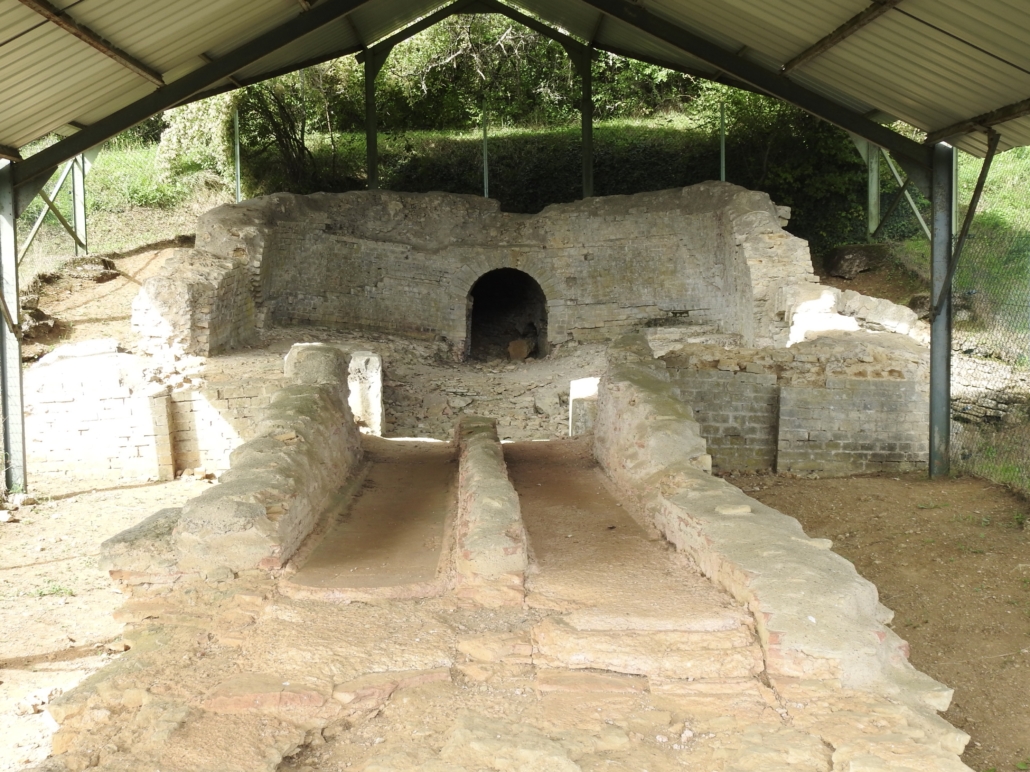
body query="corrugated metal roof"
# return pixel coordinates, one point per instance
(931, 63)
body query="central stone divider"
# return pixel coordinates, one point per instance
(491, 547)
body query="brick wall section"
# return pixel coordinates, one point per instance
(852, 426)
(405, 263)
(738, 413)
(839, 404)
(209, 423)
(88, 413)
(198, 304)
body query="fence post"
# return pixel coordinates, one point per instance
(587, 122)
(236, 149)
(872, 190)
(722, 141)
(486, 161)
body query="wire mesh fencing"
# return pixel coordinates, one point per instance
(990, 385)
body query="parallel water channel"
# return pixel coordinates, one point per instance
(392, 532)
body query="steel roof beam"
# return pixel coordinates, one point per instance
(719, 77)
(55, 15)
(9, 153)
(844, 31)
(30, 174)
(244, 82)
(913, 153)
(980, 122)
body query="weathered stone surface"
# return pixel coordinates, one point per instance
(279, 484)
(842, 403)
(370, 691)
(433, 247)
(491, 540)
(90, 410)
(198, 303)
(143, 553)
(501, 745)
(573, 681)
(665, 654)
(263, 693)
(816, 618)
(502, 647)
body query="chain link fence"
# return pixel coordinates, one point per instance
(990, 386)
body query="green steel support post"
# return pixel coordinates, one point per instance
(11, 395)
(486, 161)
(942, 226)
(79, 204)
(373, 63)
(722, 142)
(236, 150)
(872, 190)
(587, 117)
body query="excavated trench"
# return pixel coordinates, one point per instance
(390, 534)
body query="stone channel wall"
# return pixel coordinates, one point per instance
(491, 545)
(843, 403)
(712, 253)
(305, 447)
(816, 618)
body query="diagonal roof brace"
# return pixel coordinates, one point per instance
(9, 153)
(915, 157)
(32, 173)
(86, 35)
(844, 31)
(980, 122)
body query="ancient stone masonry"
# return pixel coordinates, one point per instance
(712, 253)
(280, 483)
(90, 411)
(491, 553)
(816, 640)
(199, 304)
(843, 403)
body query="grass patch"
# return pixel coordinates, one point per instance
(53, 589)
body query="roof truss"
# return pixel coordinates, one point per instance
(844, 31)
(981, 122)
(916, 158)
(30, 174)
(86, 35)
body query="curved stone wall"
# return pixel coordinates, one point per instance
(713, 253)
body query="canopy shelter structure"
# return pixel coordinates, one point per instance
(957, 69)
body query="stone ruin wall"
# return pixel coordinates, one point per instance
(843, 403)
(712, 253)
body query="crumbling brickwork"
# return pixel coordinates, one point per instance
(198, 304)
(711, 253)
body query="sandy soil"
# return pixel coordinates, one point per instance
(56, 606)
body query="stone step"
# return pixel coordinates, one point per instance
(654, 653)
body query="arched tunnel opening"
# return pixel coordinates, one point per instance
(507, 316)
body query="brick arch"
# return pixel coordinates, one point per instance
(460, 286)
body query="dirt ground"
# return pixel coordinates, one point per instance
(952, 559)
(56, 605)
